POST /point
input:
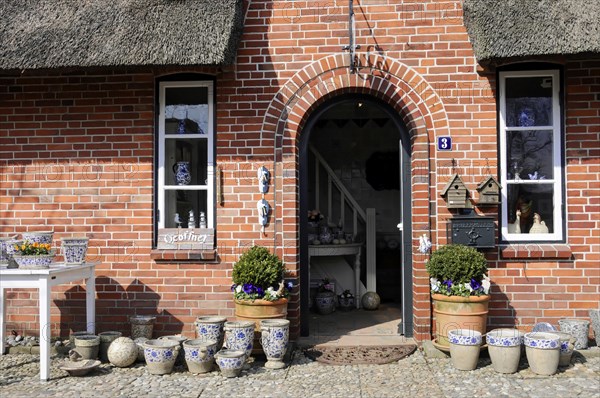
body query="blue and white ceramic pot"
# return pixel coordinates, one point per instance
(275, 335)
(74, 253)
(179, 339)
(325, 302)
(230, 362)
(240, 336)
(210, 327)
(578, 328)
(38, 237)
(567, 344)
(160, 355)
(465, 345)
(543, 352)
(200, 354)
(504, 347)
(38, 261)
(9, 246)
(183, 175)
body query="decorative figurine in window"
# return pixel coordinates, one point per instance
(177, 220)
(191, 220)
(202, 220)
(515, 227)
(539, 226)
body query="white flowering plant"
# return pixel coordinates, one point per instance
(458, 270)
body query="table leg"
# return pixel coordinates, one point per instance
(2, 324)
(45, 330)
(357, 279)
(90, 303)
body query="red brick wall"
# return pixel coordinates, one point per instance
(76, 155)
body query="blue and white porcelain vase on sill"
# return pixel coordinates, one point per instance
(183, 175)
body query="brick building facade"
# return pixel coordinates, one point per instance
(79, 155)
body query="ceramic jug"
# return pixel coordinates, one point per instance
(183, 176)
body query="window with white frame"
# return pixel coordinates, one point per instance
(531, 157)
(185, 178)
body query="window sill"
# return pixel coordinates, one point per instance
(536, 251)
(182, 255)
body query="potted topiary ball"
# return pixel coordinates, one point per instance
(258, 286)
(459, 290)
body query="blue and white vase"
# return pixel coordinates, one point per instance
(567, 344)
(230, 362)
(179, 339)
(325, 302)
(183, 175)
(11, 251)
(543, 352)
(200, 354)
(465, 345)
(74, 253)
(160, 355)
(210, 327)
(38, 261)
(504, 347)
(38, 237)
(275, 336)
(240, 336)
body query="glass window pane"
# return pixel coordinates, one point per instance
(530, 208)
(530, 155)
(180, 202)
(186, 157)
(186, 110)
(529, 101)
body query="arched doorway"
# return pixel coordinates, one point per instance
(361, 143)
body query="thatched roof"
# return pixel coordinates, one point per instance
(508, 29)
(44, 34)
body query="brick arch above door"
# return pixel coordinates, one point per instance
(408, 93)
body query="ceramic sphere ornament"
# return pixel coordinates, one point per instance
(122, 352)
(370, 301)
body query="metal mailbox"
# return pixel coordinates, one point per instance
(476, 231)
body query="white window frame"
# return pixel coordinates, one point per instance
(557, 180)
(209, 136)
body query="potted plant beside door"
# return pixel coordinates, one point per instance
(459, 290)
(258, 286)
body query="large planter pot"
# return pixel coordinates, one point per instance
(106, 338)
(504, 347)
(200, 354)
(87, 346)
(325, 302)
(240, 336)
(258, 310)
(230, 362)
(567, 344)
(455, 312)
(275, 335)
(465, 345)
(543, 352)
(595, 317)
(160, 355)
(578, 328)
(210, 327)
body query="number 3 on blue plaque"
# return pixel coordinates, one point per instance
(444, 143)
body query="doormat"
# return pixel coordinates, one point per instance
(355, 355)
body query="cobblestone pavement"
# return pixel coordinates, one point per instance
(413, 376)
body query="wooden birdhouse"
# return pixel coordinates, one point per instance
(489, 192)
(456, 194)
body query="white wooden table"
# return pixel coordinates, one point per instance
(351, 249)
(43, 280)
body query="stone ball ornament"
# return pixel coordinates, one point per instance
(370, 301)
(122, 352)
